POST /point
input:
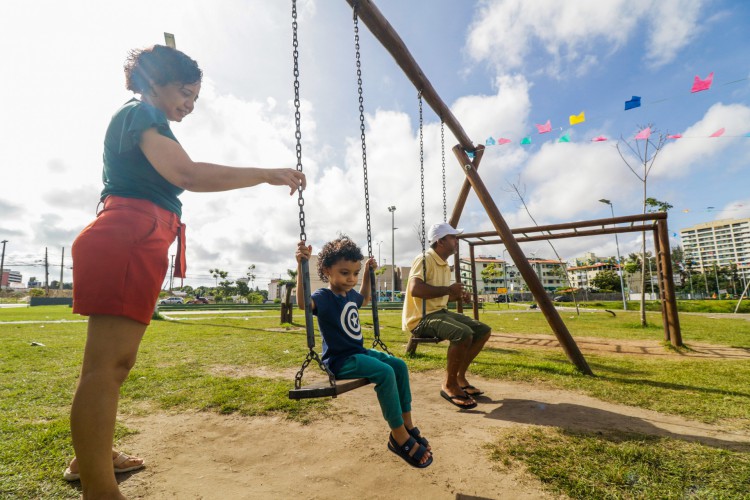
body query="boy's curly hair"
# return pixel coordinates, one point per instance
(159, 64)
(342, 248)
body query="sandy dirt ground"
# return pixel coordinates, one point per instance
(209, 456)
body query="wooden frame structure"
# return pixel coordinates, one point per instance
(369, 14)
(655, 222)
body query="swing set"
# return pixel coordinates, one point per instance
(368, 13)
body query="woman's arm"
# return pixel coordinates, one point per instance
(173, 163)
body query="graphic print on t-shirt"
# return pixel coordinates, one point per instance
(350, 321)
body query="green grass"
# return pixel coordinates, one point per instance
(214, 363)
(620, 465)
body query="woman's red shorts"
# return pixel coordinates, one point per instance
(120, 260)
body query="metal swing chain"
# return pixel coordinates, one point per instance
(421, 166)
(297, 119)
(302, 235)
(442, 155)
(421, 186)
(373, 291)
(362, 128)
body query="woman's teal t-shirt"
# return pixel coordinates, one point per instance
(127, 172)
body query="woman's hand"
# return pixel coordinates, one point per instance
(286, 177)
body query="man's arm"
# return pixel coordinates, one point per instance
(422, 290)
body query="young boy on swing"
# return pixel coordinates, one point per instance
(337, 309)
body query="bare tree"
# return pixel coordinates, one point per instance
(645, 152)
(518, 188)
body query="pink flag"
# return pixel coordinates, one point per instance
(674, 136)
(718, 133)
(543, 129)
(699, 84)
(599, 138)
(643, 134)
(502, 140)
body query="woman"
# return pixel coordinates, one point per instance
(120, 259)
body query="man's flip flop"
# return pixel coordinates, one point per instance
(452, 400)
(472, 388)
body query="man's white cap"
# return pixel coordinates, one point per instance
(441, 230)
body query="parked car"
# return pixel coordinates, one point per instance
(563, 298)
(170, 301)
(198, 300)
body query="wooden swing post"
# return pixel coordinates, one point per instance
(369, 14)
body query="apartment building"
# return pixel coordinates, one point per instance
(583, 276)
(721, 243)
(548, 271)
(9, 278)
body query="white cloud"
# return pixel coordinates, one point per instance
(510, 34)
(696, 151)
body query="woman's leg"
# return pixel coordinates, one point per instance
(111, 349)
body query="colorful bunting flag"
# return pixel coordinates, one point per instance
(674, 136)
(643, 134)
(502, 140)
(489, 142)
(699, 84)
(470, 154)
(599, 138)
(718, 133)
(543, 129)
(635, 102)
(564, 138)
(576, 119)
(526, 140)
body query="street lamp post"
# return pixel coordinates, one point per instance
(392, 210)
(619, 260)
(505, 278)
(2, 263)
(378, 280)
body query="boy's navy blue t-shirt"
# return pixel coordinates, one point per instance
(338, 320)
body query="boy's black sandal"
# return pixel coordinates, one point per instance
(414, 432)
(404, 450)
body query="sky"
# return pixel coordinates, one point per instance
(502, 66)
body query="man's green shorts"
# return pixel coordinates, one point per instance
(451, 326)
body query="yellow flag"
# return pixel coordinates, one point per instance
(574, 120)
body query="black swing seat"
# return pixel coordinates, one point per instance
(411, 347)
(325, 389)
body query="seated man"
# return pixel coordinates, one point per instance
(466, 335)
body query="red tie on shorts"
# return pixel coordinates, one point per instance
(180, 266)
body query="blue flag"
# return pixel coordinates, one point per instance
(635, 102)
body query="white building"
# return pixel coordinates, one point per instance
(721, 243)
(548, 271)
(583, 276)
